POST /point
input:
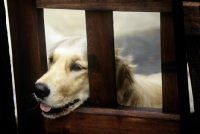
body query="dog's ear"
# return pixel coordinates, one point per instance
(124, 73)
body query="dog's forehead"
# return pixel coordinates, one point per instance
(71, 45)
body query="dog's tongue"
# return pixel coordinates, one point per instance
(45, 107)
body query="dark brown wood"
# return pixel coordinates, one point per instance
(7, 111)
(190, 0)
(181, 63)
(115, 5)
(192, 18)
(101, 58)
(29, 64)
(193, 49)
(114, 121)
(192, 27)
(42, 41)
(28, 57)
(169, 75)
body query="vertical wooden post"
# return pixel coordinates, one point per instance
(42, 41)
(101, 58)
(28, 62)
(181, 63)
(169, 69)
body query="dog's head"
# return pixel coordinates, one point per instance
(65, 86)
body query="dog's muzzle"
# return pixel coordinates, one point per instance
(41, 90)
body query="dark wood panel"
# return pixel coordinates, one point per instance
(192, 18)
(190, 0)
(114, 121)
(7, 111)
(101, 58)
(116, 5)
(42, 42)
(181, 63)
(169, 75)
(27, 61)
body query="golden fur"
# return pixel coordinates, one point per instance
(67, 80)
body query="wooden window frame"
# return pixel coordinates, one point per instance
(105, 116)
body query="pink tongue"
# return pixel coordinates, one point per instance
(45, 107)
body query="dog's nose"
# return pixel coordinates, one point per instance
(41, 90)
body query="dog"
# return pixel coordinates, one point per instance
(64, 87)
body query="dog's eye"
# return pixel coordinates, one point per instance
(50, 59)
(75, 67)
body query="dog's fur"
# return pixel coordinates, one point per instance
(67, 80)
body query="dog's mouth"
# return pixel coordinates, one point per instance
(47, 110)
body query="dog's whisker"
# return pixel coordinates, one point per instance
(33, 107)
(30, 95)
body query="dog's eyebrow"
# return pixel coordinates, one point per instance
(75, 66)
(50, 54)
(79, 63)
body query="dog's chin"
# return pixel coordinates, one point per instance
(61, 111)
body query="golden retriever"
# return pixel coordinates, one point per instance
(64, 87)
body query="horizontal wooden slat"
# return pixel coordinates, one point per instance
(114, 121)
(114, 5)
(191, 0)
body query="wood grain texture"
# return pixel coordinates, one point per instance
(114, 121)
(42, 41)
(7, 111)
(28, 57)
(115, 5)
(192, 18)
(101, 58)
(168, 58)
